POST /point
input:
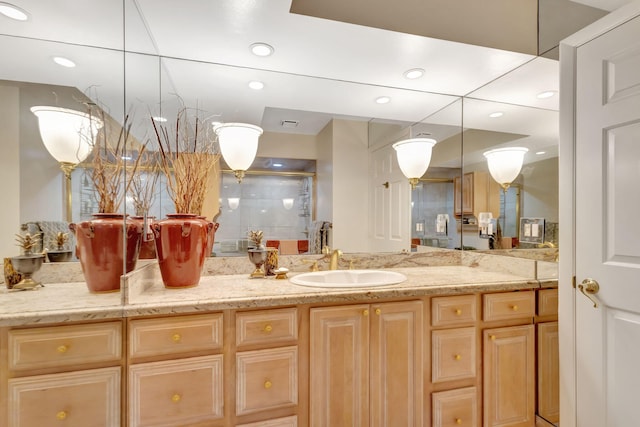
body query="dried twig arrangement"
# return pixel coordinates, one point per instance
(110, 164)
(143, 183)
(187, 158)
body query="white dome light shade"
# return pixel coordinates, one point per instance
(67, 134)
(238, 144)
(414, 156)
(287, 203)
(505, 164)
(233, 202)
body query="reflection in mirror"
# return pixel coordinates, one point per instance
(525, 216)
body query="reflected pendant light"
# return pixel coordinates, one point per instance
(238, 145)
(505, 164)
(414, 156)
(287, 203)
(68, 136)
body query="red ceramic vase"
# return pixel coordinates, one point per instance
(148, 243)
(101, 249)
(211, 237)
(181, 245)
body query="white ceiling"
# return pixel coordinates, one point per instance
(320, 69)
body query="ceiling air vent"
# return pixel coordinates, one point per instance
(289, 124)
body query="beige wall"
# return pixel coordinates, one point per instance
(9, 169)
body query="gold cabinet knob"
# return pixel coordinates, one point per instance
(61, 415)
(514, 307)
(365, 312)
(176, 398)
(267, 384)
(378, 311)
(62, 348)
(268, 328)
(492, 337)
(458, 421)
(457, 357)
(176, 338)
(458, 312)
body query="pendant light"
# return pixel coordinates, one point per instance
(414, 156)
(68, 136)
(238, 145)
(505, 164)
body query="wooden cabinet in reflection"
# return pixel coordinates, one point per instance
(476, 192)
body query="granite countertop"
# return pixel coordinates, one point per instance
(144, 294)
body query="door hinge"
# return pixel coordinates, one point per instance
(573, 282)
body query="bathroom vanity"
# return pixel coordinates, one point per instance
(453, 345)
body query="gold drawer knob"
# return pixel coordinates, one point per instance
(61, 415)
(267, 384)
(457, 357)
(176, 337)
(365, 312)
(514, 307)
(268, 328)
(176, 398)
(458, 312)
(62, 348)
(378, 311)
(458, 420)
(492, 337)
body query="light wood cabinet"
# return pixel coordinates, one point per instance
(509, 376)
(455, 408)
(66, 374)
(366, 365)
(79, 399)
(476, 192)
(176, 392)
(548, 391)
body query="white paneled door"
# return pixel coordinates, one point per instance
(607, 228)
(390, 201)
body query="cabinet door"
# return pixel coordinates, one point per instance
(548, 372)
(81, 398)
(396, 364)
(509, 376)
(339, 366)
(468, 191)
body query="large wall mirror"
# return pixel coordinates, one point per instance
(309, 115)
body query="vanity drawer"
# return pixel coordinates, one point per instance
(266, 379)
(266, 326)
(81, 398)
(455, 408)
(171, 335)
(278, 422)
(548, 302)
(176, 392)
(453, 311)
(63, 346)
(508, 305)
(453, 354)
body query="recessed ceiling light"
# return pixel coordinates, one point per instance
(13, 12)
(65, 62)
(160, 119)
(414, 73)
(383, 100)
(261, 49)
(546, 94)
(256, 85)
(496, 114)
(540, 152)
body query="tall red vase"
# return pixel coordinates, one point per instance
(101, 249)
(181, 246)
(211, 236)
(147, 244)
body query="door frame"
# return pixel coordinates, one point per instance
(567, 205)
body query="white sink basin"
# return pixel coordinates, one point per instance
(348, 278)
